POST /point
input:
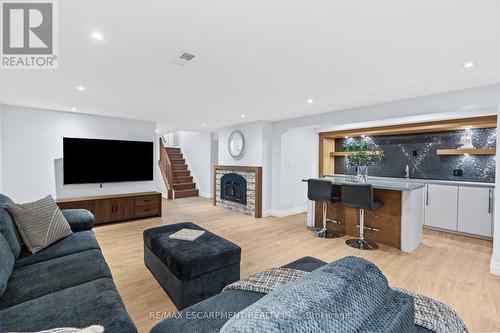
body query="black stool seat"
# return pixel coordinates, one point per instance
(360, 196)
(322, 190)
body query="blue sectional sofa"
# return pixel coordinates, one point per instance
(211, 315)
(67, 284)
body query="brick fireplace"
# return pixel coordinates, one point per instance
(238, 188)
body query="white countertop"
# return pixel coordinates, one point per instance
(407, 183)
(383, 184)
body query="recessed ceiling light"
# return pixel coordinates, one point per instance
(97, 35)
(157, 130)
(310, 101)
(243, 116)
(469, 65)
(346, 137)
(363, 136)
(73, 109)
(203, 124)
(80, 88)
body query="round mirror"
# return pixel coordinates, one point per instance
(236, 145)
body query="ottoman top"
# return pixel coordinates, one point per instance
(187, 259)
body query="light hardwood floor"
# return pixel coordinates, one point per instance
(453, 269)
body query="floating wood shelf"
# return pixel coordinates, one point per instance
(484, 151)
(346, 153)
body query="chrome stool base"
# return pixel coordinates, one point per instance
(361, 244)
(323, 233)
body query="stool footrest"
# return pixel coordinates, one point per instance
(370, 228)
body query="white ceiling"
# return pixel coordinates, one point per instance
(261, 58)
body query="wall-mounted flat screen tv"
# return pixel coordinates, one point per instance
(106, 161)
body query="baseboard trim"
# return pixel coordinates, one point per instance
(494, 267)
(288, 211)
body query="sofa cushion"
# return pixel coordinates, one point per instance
(50, 276)
(6, 263)
(8, 227)
(351, 293)
(40, 223)
(93, 303)
(74, 243)
(79, 219)
(188, 259)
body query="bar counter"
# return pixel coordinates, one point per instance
(398, 223)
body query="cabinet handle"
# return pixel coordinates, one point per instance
(490, 196)
(427, 196)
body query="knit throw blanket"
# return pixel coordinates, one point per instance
(429, 313)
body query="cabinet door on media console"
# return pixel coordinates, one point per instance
(103, 211)
(122, 208)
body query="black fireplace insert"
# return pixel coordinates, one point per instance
(233, 187)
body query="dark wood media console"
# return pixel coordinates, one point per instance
(117, 207)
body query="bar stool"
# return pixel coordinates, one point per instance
(322, 190)
(360, 196)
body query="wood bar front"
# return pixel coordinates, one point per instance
(387, 219)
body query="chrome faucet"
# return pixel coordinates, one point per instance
(407, 172)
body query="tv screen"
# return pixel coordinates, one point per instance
(106, 161)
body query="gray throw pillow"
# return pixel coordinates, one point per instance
(40, 223)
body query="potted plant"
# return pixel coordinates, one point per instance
(361, 157)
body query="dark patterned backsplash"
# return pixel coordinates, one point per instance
(418, 151)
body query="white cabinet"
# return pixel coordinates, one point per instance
(463, 209)
(475, 210)
(441, 206)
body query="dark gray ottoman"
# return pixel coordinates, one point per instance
(190, 272)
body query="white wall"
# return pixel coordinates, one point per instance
(32, 151)
(253, 133)
(197, 150)
(297, 160)
(495, 258)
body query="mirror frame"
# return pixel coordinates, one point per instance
(243, 148)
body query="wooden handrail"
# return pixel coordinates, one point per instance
(166, 168)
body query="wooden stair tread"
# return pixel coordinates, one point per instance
(184, 186)
(186, 193)
(182, 180)
(181, 173)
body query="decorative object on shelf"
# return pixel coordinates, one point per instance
(466, 141)
(236, 145)
(362, 155)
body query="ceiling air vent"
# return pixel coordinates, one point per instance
(183, 58)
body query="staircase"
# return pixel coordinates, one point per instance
(177, 176)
